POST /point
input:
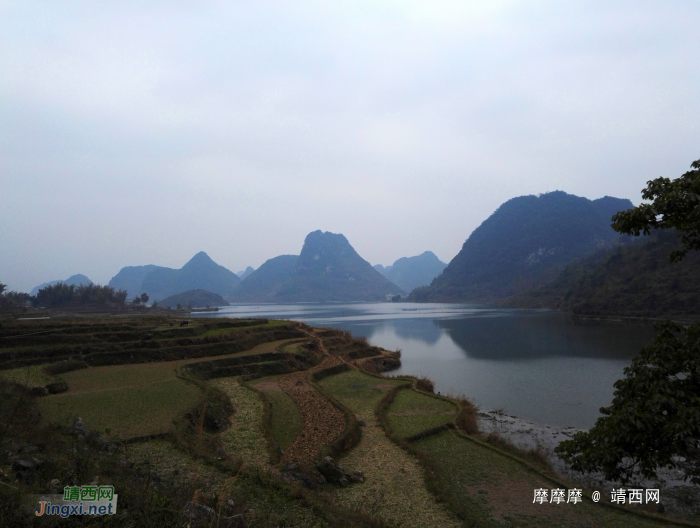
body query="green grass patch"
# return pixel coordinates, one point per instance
(128, 411)
(132, 400)
(492, 489)
(412, 412)
(360, 392)
(32, 376)
(285, 419)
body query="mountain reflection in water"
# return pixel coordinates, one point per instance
(539, 365)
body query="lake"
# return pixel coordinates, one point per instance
(535, 364)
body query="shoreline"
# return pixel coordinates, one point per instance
(677, 495)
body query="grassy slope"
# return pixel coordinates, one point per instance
(132, 400)
(393, 487)
(32, 376)
(285, 420)
(489, 482)
(412, 412)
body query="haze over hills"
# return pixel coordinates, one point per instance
(266, 281)
(73, 280)
(635, 280)
(130, 278)
(243, 274)
(200, 273)
(193, 299)
(327, 269)
(412, 272)
(526, 242)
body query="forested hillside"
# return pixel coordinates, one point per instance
(528, 241)
(637, 280)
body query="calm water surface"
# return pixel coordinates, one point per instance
(535, 364)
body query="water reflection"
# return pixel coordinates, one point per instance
(520, 335)
(538, 365)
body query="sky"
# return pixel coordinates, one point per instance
(139, 132)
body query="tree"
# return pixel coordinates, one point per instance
(144, 298)
(3, 287)
(654, 418)
(675, 205)
(137, 300)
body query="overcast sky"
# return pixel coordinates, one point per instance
(138, 132)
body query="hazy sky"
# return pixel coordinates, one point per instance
(138, 132)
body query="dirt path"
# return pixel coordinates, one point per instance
(322, 422)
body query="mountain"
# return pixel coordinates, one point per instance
(411, 272)
(636, 280)
(131, 278)
(527, 241)
(73, 280)
(193, 299)
(244, 274)
(200, 273)
(327, 269)
(264, 283)
(381, 269)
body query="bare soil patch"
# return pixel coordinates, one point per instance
(322, 422)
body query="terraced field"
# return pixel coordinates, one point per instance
(130, 400)
(394, 488)
(419, 470)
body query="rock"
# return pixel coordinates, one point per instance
(79, 427)
(56, 387)
(24, 470)
(294, 476)
(39, 391)
(356, 476)
(198, 511)
(342, 481)
(55, 485)
(290, 466)
(330, 470)
(230, 508)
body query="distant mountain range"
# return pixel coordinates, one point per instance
(327, 269)
(636, 280)
(526, 242)
(73, 280)
(411, 272)
(193, 299)
(244, 273)
(200, 273)
(266, 281)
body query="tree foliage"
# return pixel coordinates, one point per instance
(675, 204)
(654, 419)
(62, 294)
